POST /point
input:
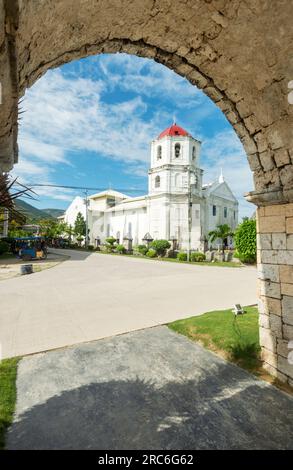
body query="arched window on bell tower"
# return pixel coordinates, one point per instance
(159, 152)
(193, 153)
(157, 181)
(177, 150)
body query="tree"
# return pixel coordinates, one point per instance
(221, 233)
(79, 227)
(245, 241)
(51, 228)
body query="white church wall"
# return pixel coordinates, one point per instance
(77, 205)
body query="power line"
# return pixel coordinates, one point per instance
(85, 188)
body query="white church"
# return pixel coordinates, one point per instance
(178, 206)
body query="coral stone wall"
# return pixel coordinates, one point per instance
(275, 278)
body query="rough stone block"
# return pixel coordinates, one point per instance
(286, 274)
(279, 241)
(270, 369)
(288, 332)
(269, 272)
(270, 289)
(276, 325)
(282, 347)
(269, 256)
(275, 209)
(281, 157)
(272, 224)
(289, 242)
(267, 339)
(289, 210)
(264, 320)
(261, 142)
(264, 241)
(269, 357)
(287, 289)
(253, 160)
(266, 160)
(284, 366)
(287, 310)
(285, 257)
(269, 305)
(289, 225)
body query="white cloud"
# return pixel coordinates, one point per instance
(148, 78)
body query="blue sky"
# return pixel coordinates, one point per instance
(90, 123)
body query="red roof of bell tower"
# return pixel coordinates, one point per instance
(174, 131)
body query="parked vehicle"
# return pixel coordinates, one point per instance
(28, 248)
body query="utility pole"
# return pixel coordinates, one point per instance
(189, 214)
(86, 218)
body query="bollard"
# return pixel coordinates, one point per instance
(26, 269)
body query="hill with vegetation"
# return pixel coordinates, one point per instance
(33, 214)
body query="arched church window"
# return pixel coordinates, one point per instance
(159, 152)
(177, 150)
(157, 181)
(193, 153)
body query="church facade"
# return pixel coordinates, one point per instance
(177, 207)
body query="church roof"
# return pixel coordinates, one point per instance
(174, 131)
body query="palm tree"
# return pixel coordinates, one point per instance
(10, 190)
(221, 233)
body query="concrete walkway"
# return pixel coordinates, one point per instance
(92, 296)
(149, 389)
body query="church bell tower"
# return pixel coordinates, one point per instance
(174, 165)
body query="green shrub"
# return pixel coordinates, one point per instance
(161, 246)
(142, 249)
(151, 253)
(245, 241)
(121, 249)
(197, 256)
(110, 244)
(244, 258)
(91, 247)
(4, 247)
(111, 240)
(182, 256)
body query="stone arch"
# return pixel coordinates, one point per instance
(221, 46)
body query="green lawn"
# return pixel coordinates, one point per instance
(235, 338)
(8, 372)
(224, 264)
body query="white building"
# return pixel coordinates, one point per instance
(178, 206)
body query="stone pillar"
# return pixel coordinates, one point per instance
(275, 278)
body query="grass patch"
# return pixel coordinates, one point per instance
(236, 338)
(224, 264)
(6, 256)
(8, 373)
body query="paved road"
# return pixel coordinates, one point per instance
(92, 296)
(149, 389)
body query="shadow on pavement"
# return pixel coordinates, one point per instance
(136, 414)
